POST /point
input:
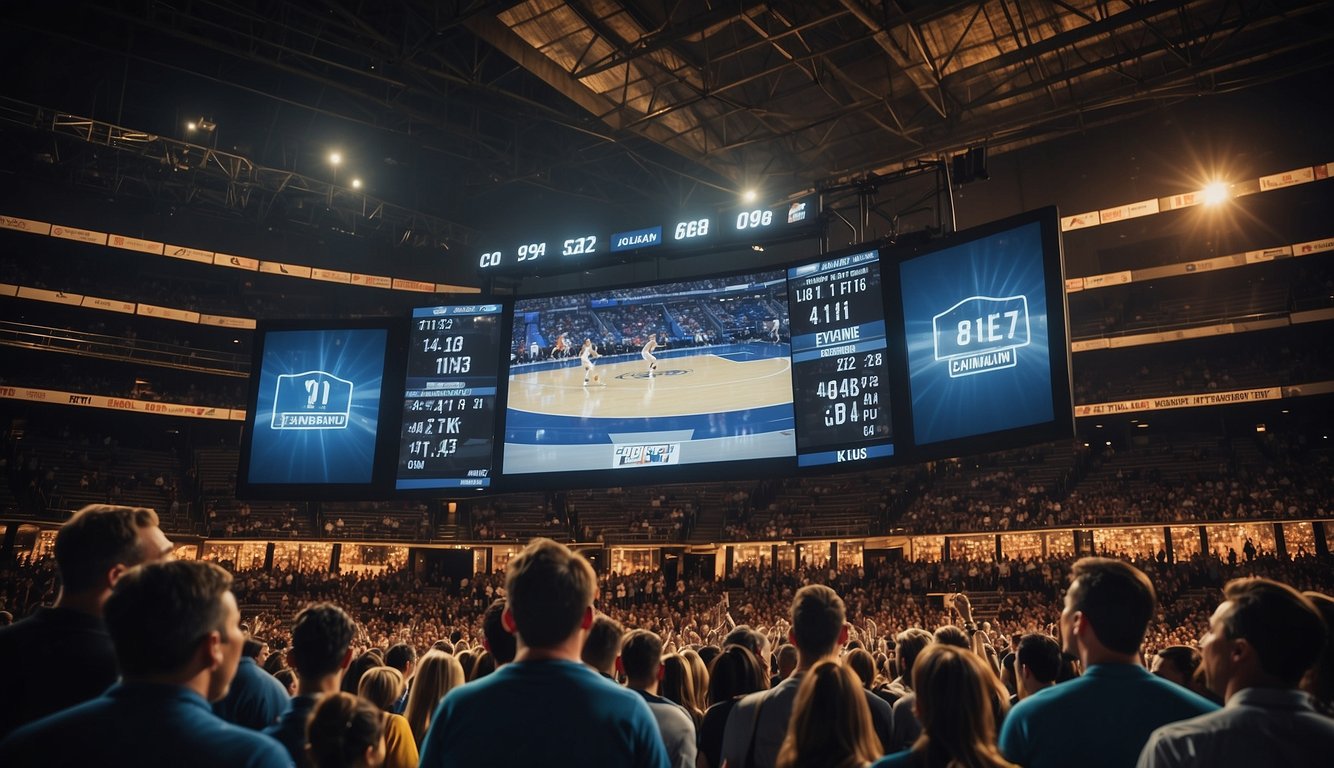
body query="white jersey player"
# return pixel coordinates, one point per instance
(586, 357)
(647, 354)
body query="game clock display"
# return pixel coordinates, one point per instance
(449, 398)
(839, 360)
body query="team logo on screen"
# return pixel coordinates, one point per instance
(311, 400)
(981, 334)
(654, 455)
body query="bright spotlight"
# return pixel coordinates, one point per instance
(749, 195)
(192, 126)
(356, 183)
(1215, 193)
(335, 158)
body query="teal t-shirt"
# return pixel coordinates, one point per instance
(548, 713)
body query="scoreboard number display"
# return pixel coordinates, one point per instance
(449, 398)
(840, 373)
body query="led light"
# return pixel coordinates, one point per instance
(356, 183)
(335, 158)
(749, 195)
(1216, 193)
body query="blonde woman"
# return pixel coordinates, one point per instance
(437, 674)
(831, 722)
(959, 703)
(382, 686)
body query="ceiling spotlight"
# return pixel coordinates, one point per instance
(757, 248)
(192, 126)
(201, 124)
(749, 195)
(356, 183)
(1216, 193)
(335, 158)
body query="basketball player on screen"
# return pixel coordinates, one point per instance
(647, 354)
(586, 357)
(561, 348)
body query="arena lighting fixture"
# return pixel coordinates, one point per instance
(749, 196)
(1260, 428)
(356, 183)
(1216, 193)
(335, 158)
(207, 126)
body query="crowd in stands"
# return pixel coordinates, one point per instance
(818, 666)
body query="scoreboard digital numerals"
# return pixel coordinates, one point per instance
(449, 401)
(840, 361)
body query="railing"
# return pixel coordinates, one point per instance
(40, 337)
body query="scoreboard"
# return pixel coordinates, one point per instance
(840, 375)
(847, 360)
(682, 234)
(449, 397)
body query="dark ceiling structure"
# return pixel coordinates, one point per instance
(451, 107)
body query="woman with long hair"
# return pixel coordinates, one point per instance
(437, 674)
(678, 685)
(735, 672)
(383, 687)
(699, 676)
(345, 731)
(960, 704)
(831, 722)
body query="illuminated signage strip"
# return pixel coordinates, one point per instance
(1304, 175)
(1230, 261)
(1180, 401)
(59, 397)
(229, 261)
(124, 307)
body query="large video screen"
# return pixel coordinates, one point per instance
(840, 361)
(981, 334)
(447, 433)
(673, 374)
(316, 411)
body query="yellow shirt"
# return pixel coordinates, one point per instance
(400, 750)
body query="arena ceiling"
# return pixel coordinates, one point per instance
(646, 102)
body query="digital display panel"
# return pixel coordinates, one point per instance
(976, 328)
(449, 398)
(651, 377)
(839, 360)
(316, 411)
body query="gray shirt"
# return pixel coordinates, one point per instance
(774, 707)
(677, 729)
(1258, 727)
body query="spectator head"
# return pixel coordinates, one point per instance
(603, 644)
(708, 653)
(749, 638)
(735, 672)
(381, 686)
(831, 721)
(1264, 634)
(485, 665)
(550, 591)
(495, 637)
(959, 703)
(1319, 680)
(438, 673)
(1037, 663)
(678, 684)
(787, 660)
(345, 731)
(1176, 663)
(444, 646)
(321, 641)
(402, 657)
(862, 664)
(951, 635)
(368, 660)
(101, 541)
(641, 659)
(177, 620)
(287, 677)
(819, 621)
(699, 676)
(6, 618)
(908, 644)
(1107, 609)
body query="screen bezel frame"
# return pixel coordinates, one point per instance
(1062, 423)
(506, 303)
(713, 471)
(380, 486)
